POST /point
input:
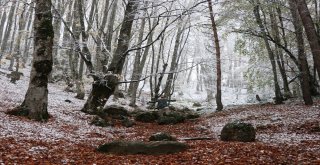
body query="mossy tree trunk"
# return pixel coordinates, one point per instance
(36, 99)
(104, 86)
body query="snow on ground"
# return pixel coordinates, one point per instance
(283, 123)
(66, 117)
(284, 132)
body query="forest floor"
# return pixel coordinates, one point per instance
(286, 134)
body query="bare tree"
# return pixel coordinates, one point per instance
(310, 32)
(278, 96)
(35, 103)
(303, 63)
(4, 42)
(103, 87)
(218, 54)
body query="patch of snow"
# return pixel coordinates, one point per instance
(65, 121)
(280, 117)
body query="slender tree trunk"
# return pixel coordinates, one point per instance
(85, 49)
(279, 54)
(208, 81)
(303, 63)
(2, 23)
(100, 56)
(198, 78)
(16, 51)
(155, 81)
(56, 27)
(66, 42)
(104, 87)
(13, 37)
(74, 60)
(218, 52)
(136, 65)
(6, 36)
(137, 58)
(36, 99)
(174, 62)
(27, 40)
(310, 32)
(108, 38)
(278, 96)
(190, 72)
(140, 67)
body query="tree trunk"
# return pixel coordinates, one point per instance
(74, 60)
(278, 96)
(155, 81)
(7, 33)
(133, 86)
(13, 37)
(174, 62)
(279, 54)
(36, 99)
(56, 27)
(99, 54)
(141, 66)
(104, 87)
(27, 40)
(16, 52)
(310, 32)
(2, 23)
(137, 58)
(108, 38)
(85, 49)
(218, 62)
(66, 42)
(303, 63)
(208, 82)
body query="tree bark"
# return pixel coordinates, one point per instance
(3, 21)
(104, 87)
(27, 40)
(8, 30)
(16, 52)
(310, 32)
(56, 27)
(110, 30)
(13, 39)
(74, 59)
(174, 61)
(100, 56)
(85, 50)
(137, 57)
(278, 96)
(303, 63)
(36, 99)
(218, 54)
(141, 67)
(279, 54)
